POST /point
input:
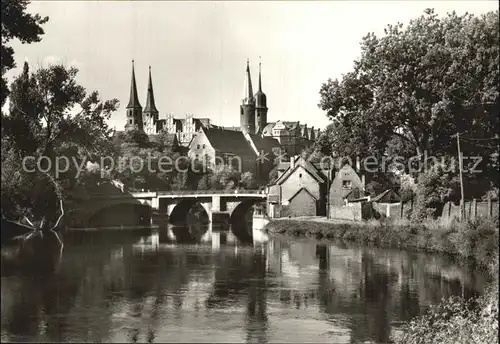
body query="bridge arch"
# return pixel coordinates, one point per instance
(180, 211)
(241, 218)
(124, 213)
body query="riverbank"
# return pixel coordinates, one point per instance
(455, 320)
(475, 240)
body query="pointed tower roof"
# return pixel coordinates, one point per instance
(260, 97)
(248, 91)
(150, 100)
(134, 99)
(260, 75)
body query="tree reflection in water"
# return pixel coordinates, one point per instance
(106, 290)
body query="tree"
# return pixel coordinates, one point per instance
(42, 125)
(248, 181)
(152, 163)
(17, 23)
(410, 92)
(435, 187)
(420, 84)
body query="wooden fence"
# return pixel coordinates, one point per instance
(473, 209)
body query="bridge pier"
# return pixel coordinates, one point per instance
(208, 234)
(215, 241)
(170, 208)
(208, 208)
(216, 203)
(170, 234)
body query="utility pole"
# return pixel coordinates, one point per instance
(460, 164)
(328, 191)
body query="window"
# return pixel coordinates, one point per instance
(300, 175)
(203, 146)
(130, 121)
(197, 146)
(347, 184)
(197, 157)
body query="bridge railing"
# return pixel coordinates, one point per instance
(210, 192)
(139, 194)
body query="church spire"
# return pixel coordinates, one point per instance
(150, 100)
(248, 91)
(260, 105)
(134, 99)
(260, 79)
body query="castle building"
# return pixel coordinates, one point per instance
(292, 136)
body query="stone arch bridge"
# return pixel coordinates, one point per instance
(170, 206)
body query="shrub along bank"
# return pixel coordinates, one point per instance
(455, 320)
(475, 240)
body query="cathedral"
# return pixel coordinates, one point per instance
(293, 137)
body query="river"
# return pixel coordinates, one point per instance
(143, 286)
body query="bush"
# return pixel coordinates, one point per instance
(457, 320)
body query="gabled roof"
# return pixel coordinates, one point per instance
(306, 165)
(228, 141)
(380, 196)
(298, 191)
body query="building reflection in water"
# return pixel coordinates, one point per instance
(150, 288)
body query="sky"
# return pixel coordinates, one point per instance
(198, 50)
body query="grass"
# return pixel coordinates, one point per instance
(474, 240)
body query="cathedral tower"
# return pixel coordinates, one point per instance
(260, 106)
(134, 108)
(247, 108)
(150, 114)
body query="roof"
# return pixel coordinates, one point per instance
(232, 128)
(264, 143)
(228, 141)
(150, 100)
(301, 162)
(283, 166)
(380, 196)
(291, 125)
(134, 99)
(268, 129)
(305, 189)
(164, 138)
(203, 121)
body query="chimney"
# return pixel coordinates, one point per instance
(292, 162)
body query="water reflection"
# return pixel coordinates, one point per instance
(132, 287)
